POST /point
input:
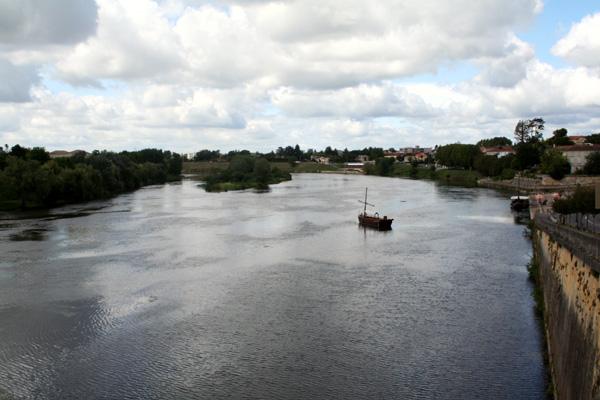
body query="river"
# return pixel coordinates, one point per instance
(170, 292)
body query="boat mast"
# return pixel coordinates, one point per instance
(365, 209)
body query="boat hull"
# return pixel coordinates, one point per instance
(381, 224)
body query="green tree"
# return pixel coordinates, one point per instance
(495, 142)
(384, 166)
(555, 164)
(559, 138)
(592, 164)
(593, 139)
(529, 130)
(262, 173)
(457, 155)
(527, 155)
(581, 201)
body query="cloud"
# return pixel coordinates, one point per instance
(581, 46)
(134, 41)
(363, 101)
(305, 44)
(16, 81)
(41, 22)
(508, 70)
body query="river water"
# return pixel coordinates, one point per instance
(173, 293)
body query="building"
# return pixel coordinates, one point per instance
(320, 159)
(393, 154)
(499, 151)
(577, 154)
(362, 158)
(65, 154)
(421, 156)
(577, 139)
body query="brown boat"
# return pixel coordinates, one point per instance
(374, 220)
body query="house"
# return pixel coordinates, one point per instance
(362, 158)
(64, 153)
(421, 156)
(577, 139)
(320, 159)
(577, 154)
(393, 154)
(499, 151)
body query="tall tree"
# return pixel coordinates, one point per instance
(529, 130)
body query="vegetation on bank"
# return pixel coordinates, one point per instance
(204, 169)
(245, 172)
(454, 177)
(582, 200)
(30, 178)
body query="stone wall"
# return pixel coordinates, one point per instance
(571, 291)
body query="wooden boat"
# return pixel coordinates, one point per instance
(519, 203)
(373, 220)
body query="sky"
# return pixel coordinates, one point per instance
(187, 75)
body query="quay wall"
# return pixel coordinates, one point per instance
(570, 285)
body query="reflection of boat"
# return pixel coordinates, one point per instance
(374, 220)
(519, 203)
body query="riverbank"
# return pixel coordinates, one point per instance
(542, 183)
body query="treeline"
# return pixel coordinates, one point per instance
(244, 172)
(30, 178)
(531, 152)
(292, 154)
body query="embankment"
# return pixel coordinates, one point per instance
(569, 271)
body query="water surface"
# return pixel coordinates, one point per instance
(171, 292)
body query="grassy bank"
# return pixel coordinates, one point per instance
(455, 177)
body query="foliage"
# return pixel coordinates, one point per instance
(593, 139)
(592, 164)
(495, 142)
(580, 201)
(529, 130)
(528, 154)
(244, 172)
(555, 164)
(207, 155)
(383, 167)
(30, 178)
(457, 155)
(559, 138)
(488, 165)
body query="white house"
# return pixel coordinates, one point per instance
(577, 154)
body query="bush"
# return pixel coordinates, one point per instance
(555, 164)
(580, 201)
(592, 164)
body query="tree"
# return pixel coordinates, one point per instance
(581, 201)
(384, 166)
(592, 164)
(593, 139)
(529, 130)
(495, 142)
(555, 164)
(457, 155)
(527, 155)
(262, 173)
(559, 138)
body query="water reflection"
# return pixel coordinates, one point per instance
(171, 292)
